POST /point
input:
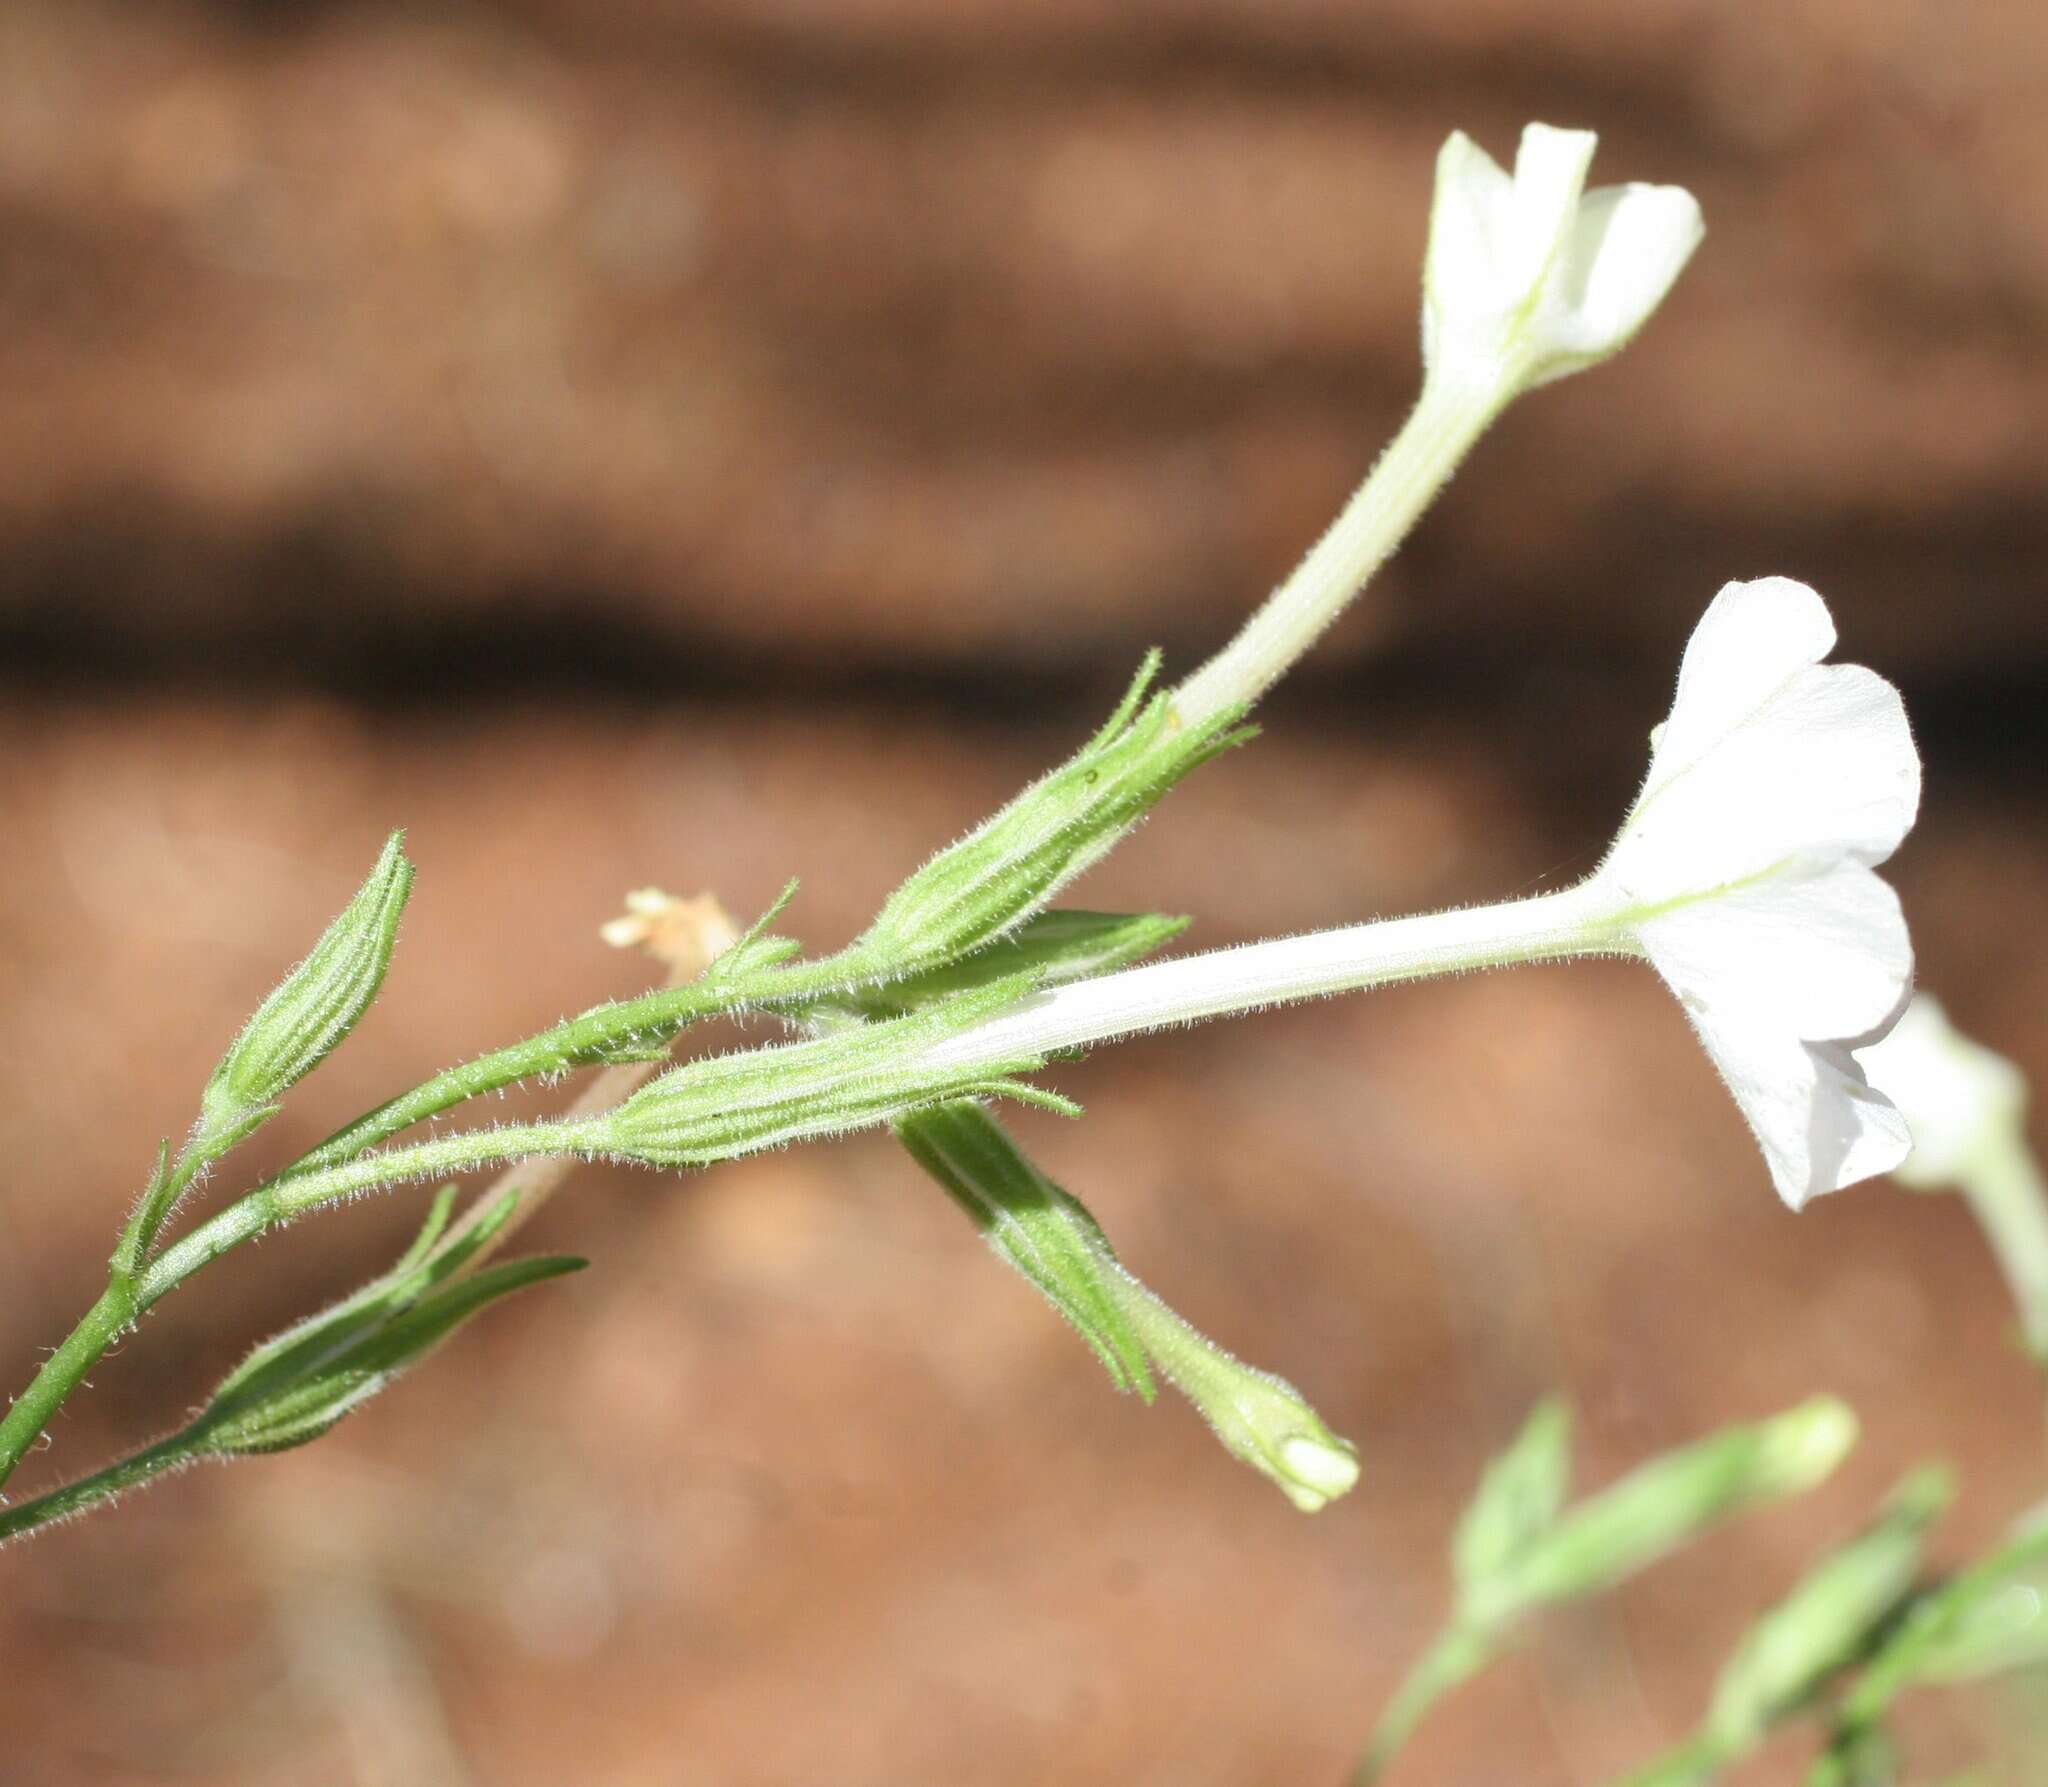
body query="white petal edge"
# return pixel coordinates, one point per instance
(1953, 1091)
(1818, 1120)
(1823, 770)
(1468, 225)
(1628, 246)
(1550, 174)
(1753, 638)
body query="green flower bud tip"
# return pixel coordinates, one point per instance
(314, 1008)
(1665, 1504)
(1260, 1418)
(1801, 1447)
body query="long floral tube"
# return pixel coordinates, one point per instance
(1577, 921)
(1744, 873)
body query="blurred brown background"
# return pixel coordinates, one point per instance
(704, 442)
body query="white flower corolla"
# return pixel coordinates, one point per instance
(1744, 873)
(1958, 1097)
(1528, 276)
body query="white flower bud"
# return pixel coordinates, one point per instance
(1529, 277)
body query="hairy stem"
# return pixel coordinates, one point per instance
(580, 1042)
(688, 935)
(278, 1200)
(284, 1199)
(1417, 463)
(87, 1493)
(1455, 1657)
(2010, 1202)
(1578, 920)
(82, 1349)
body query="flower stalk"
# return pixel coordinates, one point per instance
(1443, 427)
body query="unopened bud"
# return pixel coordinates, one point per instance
(317, 1005)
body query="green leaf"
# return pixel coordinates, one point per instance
(151, 1208)
(756, 951)
(1014, 862)
(1518, 1498)
(296, 1385)
(1663, 1505)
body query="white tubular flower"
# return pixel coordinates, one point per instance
(1744, 873)
(1967, 1108)
(1958, 1097)
(1529, 277)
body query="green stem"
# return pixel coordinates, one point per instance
(83, 1348)
(647, 1021)
(1694, 1763)
(2007, 1196)
(284, 1199)
(277, 1201)
(1457, 1655)
(159, 1460)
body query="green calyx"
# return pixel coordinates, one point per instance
(1012, 864)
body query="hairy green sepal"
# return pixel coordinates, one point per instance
(1033, 1226)
(304, 1019)
(1014, 862)
(1051, 1239)
(725, 1105)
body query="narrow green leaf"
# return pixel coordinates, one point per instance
(294, 1387)
(1663, 1505)
(755, 951)
(307, 1346)
(147, 1217)
(1519, 1496)
(1829, 1619)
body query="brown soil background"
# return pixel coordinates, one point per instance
(698, 442)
